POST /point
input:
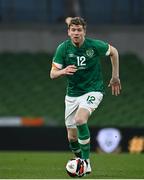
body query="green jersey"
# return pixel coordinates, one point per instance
(86, 58)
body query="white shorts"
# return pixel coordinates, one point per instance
(89, 101)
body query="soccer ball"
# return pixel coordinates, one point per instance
(76, 167)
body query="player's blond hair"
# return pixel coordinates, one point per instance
(76, 21)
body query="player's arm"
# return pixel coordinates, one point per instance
(115, 83)
(57, 72)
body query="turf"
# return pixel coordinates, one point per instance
(49, 165)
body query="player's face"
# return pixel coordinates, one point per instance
(77, 34)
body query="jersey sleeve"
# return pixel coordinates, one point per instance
(58, 59)
(103, 48)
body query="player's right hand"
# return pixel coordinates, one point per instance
(70, 70)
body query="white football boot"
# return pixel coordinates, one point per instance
(88, 167)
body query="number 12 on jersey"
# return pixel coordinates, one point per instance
(81, 61)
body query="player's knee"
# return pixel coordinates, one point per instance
(72, 134)
(79, 120)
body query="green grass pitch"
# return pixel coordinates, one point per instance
(51, 165)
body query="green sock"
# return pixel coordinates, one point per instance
(75, 147)
(84, 140)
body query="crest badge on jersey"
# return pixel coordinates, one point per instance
(90, 52)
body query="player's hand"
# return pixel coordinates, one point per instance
(115, 85)
(70, 70)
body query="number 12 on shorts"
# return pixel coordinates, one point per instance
(90, 99)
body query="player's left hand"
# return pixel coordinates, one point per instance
(115, 85)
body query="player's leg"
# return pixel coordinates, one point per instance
(70, 110)
(73, 141)
(81, 119)
(87, 104)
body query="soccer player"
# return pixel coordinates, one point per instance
(78, 58)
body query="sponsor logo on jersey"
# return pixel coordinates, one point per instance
(90, 52)
(81, 67)
(71, 55)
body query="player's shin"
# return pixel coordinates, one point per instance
(84, 140)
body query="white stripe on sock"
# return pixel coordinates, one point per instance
(86, 141)
(77, 151)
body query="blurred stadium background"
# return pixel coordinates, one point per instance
(32, 105)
